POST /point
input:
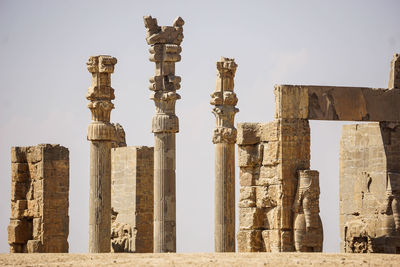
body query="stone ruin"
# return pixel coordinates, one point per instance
(274, 161)
(132, 189)
(39, 199)
(132, 199)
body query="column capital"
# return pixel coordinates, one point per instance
(100, 94)
(224, 100)
(164, 51)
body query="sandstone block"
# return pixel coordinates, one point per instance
(247, 197)
(250, 155)
(271, 153)
(19, 231)
(132, 199)
(250, 218)
(249, 241)
(34, 246)
(267, 197)
(248, 133)
(20, 172)
(249, 176)
(273, 217)
(336, 103)
(18, 155)
(39, 194)
(272, 240)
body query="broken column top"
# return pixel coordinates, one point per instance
(163, 34)
(101, 63)
(394, 79)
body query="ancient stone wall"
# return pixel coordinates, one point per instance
(370, 188)
(39, 219)
(270, 155)
(132, 199)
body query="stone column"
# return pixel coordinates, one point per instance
(224, 138)
(164, 51)
(100, 134)
(394, 77)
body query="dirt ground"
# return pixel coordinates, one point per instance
(201, 259)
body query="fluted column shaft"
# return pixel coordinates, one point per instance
(164, 193)
(224, 212)
(164, 52)
(224, 139)
(100, 197)
(100, 134)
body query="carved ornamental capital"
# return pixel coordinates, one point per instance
(164, 51)
(163, 34)
(224, 135)
(224, 100)
(100, 94)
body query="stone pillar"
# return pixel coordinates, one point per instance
(100, 134)
(394, 77)
(224, 138)
(132, 199)
(39, 219)
(164, 51)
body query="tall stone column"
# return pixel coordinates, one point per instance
(164, 50)
(100, 134)
(224, 138)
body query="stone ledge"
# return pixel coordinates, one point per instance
(336, 103)
(203, 259)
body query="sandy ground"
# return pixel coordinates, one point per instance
(200, 259)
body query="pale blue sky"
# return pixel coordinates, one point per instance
(44, 46)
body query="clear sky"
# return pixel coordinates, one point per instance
(44, 46)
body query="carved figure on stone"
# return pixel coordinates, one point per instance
(122, 237)
(392, 204)
(308, 233)
(357, 239)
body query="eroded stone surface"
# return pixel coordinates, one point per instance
(370, 188)
(39, 219)
(270, 154)
(132, 199)
(336, 103)
(100, 134)
(164, 51)
(224, 138)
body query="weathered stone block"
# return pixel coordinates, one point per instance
(20, 172)
(247, 197)
(250, 155)
(132, 199)
(39, 193)
(336, 103)
(249, 176)
(272, 240)
(250, 218)
(19, 231)
(34, 246)
(273, 217)
(18, 155)
(248, 133)
(249, 241)
(271, 153)
(267, 197)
